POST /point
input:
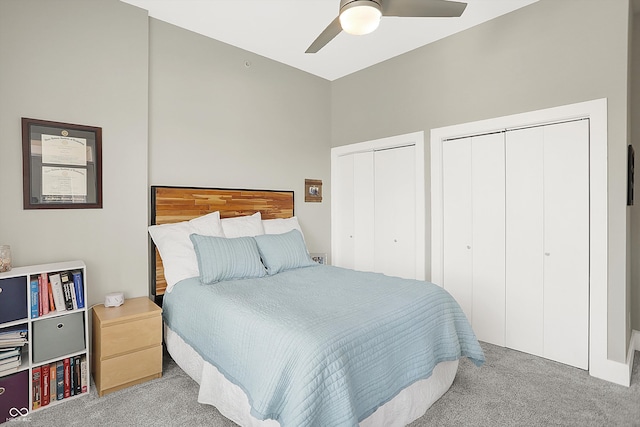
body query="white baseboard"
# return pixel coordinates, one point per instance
(616, 372)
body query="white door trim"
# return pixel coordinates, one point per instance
(417, 140)
(596, 111)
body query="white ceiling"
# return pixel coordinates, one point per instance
(283, 29)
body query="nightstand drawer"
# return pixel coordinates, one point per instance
(124, 337)
(130, 367)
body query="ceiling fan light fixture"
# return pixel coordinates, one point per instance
(360, 17)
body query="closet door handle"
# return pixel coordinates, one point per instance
(468, 246)
(547, 253)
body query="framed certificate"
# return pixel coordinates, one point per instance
(62, 165)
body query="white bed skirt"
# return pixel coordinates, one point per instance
(409, 405)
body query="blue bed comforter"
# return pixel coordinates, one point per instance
(321, 345)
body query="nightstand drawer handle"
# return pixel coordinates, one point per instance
(2, 391)
(60, 325)
(0, 290)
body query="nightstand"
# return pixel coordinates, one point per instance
(127, 344)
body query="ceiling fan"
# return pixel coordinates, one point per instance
(363, 16)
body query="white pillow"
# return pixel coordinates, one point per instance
(243, 226)
(280, 225)
(176, 250)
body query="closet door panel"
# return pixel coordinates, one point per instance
(395, 208)
(363, 200)
(343, 191)
(488, 247)
(457, 223)
(524, 240)
(566, 237)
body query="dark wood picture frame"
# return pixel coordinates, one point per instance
(69, 174)
(313, 190)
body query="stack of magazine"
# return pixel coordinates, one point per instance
(12, 341)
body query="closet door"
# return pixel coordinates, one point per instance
(363, 182)
(474, 202)
(488, 247)
(547, 237)
(566, 243)
(395, 212)
(354, 220)
(457, 223)
(344, 251)
(524, 240)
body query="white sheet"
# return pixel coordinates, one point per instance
(409, 405)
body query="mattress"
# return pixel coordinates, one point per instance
(231, 401)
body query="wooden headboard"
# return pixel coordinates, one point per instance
(175, 204)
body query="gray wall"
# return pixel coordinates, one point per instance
(223, 117)
(82, 62)
(547, 54)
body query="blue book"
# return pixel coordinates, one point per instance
(77, 284)
(35, 295)
(60, 380)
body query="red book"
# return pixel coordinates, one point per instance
(45, 387)
(67, 378)
(44, 293)
(52, 305)
(36, 385)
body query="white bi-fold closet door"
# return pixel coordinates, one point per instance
(376, 222)
(516, 237)
(378, 206)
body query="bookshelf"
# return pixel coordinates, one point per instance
(57, 337)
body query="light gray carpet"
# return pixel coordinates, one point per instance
(511, 389)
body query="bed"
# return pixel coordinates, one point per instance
(274, 339)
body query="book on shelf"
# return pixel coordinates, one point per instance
(53, 372)
(58, 293)
(10, 359)
(44, 385)
(84, 375)
(46, 285)
(66, 288)
(43, 284)
(67, 377)
(35, 303)
(59, 380)
(14, 332)
(4, 371)
(79, 287)
(13, 336)
(10, 364)
(6, 353)
(77, 373)
(35, 384)
(72, 376)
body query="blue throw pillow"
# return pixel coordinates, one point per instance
(221, 258)
(280, 252)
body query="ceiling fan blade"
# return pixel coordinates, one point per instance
(326, 36)
(422, 8)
